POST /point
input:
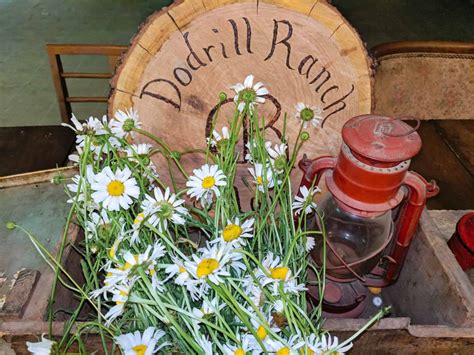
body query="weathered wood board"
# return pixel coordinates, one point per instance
(184, 56)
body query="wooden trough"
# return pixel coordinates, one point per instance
(433, 302)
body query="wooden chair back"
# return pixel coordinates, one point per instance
(55, 51)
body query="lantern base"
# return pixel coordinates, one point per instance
(340, 300)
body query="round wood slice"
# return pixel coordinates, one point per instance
(185, 55)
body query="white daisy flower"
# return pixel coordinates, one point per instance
(140, 153)
(177, 268)
(288, 347)
(162, 208)
(124, 122)
(120, 297)
(242, 348)
(79, 185)
(262, 328)
(306, 113)
(250, 146)
(278, 306)
(249, 94)
(113, 250)
(156, 283)
(277, 156)
(76, 158)
(91, 127)
(140, 150)
(208, 308)
(312, 345)
(141, 344)
(327, 345)
(145, 259)
(253, 290)
(115, 190)
(233, 232)
(136, 226)
(310, 243)
(218, 139)
(95, 222)
(304, 200)
(278, 273)
(210, 265)
(205, 344)
(113, 277)
(205, 182)
(263, 177)
(43, 347)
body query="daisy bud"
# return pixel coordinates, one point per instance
(128, 125)
(222, 96)
(94, 248)
(176, 155)
(11, 225)
(57, 179)
(304, 136)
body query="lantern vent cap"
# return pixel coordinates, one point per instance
(381, 138)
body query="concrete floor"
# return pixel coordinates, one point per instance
(26, 91)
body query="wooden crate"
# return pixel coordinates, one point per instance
(433, 300)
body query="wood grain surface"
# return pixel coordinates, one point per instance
(184, 56)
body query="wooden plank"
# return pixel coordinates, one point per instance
(431, 279)
(437, 161)
(33, 148)
(19, 296)
(422, 47)
(86, 49)
(380, 341)
(459, 136)
(59, 85)
(36, 176)
(80, 99)
(71, 75)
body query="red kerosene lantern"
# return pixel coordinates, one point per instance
(371, 210)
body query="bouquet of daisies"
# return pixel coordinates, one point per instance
(183, 269)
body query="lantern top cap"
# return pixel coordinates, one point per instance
(381, 138)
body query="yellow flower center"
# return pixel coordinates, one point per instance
(306, 352)
(113, 250)
(261, 332)
(207, 267)
(123, 293)
(115, 188)
(259, 180)
(231, 232)
(152, 271)
(239, 351)
(208, 182)
(279, 273)
(139, 218)
(140, 349)
(128, 265)
(283, 351)
(181, 269)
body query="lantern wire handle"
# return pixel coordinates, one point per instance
(344, 263)
(412, 130)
